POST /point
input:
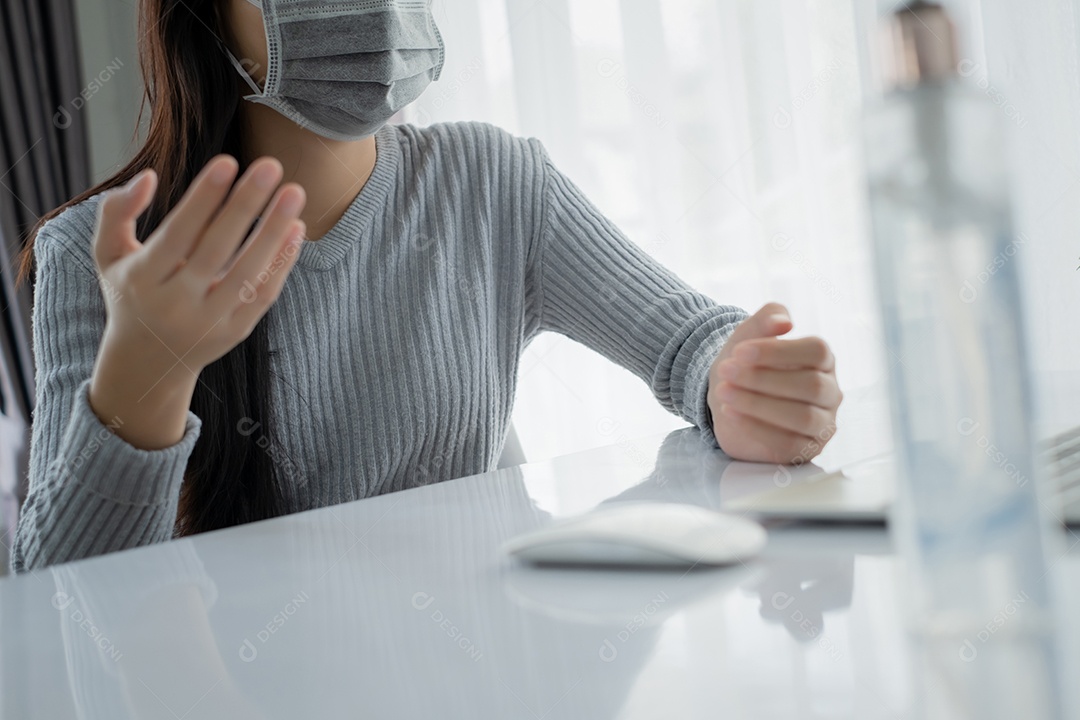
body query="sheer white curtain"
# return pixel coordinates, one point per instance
(723, 136)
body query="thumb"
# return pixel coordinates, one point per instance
(120, 210)
(771, 320)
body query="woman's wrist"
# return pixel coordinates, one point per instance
(142, 397)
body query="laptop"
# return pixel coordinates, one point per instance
(863, 491)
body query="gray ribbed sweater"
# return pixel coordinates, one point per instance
(398, 336)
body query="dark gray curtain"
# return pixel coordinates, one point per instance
(44, 161)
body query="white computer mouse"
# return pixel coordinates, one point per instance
(646, 534)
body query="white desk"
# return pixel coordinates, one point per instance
(400, 607)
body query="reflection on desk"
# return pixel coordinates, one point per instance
(401, 606)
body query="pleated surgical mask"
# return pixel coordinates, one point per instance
(343, 68)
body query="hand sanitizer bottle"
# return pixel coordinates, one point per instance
(968, 522)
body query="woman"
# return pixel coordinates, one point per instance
(420, 262)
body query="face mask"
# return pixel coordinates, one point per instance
(342, 68)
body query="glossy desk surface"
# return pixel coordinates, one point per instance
(401, 606)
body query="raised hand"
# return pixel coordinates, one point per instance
(191, 293)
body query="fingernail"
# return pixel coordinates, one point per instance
(221, 172)
(134, 181)
(266, 175)
(747, 353)
(292, 202)
(780, 318)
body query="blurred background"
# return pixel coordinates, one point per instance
(722, 136)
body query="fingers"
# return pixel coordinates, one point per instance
(771, 320)
(811, 352)
(233, 223)
(773, 444)
(792, 415)
(809, 386)
(118, 214)
(780, 395)
(267, 241)
(259, 293)
(179, 233)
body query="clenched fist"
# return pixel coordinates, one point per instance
(773, 400)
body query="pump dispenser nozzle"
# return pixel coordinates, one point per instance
(918, 46)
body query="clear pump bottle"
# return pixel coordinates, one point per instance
(968, 522)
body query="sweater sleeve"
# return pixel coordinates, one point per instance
(600, 289)
(90, 492)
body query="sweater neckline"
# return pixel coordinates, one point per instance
(328, 251)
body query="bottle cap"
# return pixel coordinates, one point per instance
(918, 43)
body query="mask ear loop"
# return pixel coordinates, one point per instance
(237, 64)
(240, 69)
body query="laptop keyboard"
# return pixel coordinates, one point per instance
(1061, 456)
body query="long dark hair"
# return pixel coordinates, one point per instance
(191, 90)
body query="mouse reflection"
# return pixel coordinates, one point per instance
(408, 610)
(422, 618)
(795, 588)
